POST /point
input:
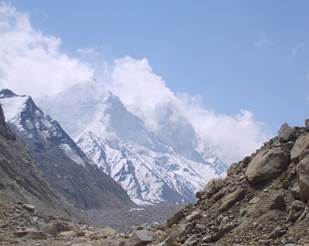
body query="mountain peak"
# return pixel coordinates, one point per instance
(7, 93)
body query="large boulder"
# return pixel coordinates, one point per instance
(267, 164)
(300, 146)
(213, 186)
(141, 238)
(286, 133)
(302, 170)
(230, 199)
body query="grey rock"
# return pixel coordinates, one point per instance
(278, 202)
(286, 133)
(191, 241)
(20, 233)
(277, 232)
(194, 215)
(267, 165)
(37, 235)
(295, 211)
(295, 192)
(213, 186)
(302, 170)
(29, 207)
(300, 146)
(230, 199)
(141, 238)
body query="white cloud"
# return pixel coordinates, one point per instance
(31, 62)
(146, 94)
(263, 40)
(299, 48)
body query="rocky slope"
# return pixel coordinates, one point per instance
(60, 160)
(20, 178)
(166, 165)
(262, 201)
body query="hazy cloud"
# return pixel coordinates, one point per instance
(30, 62)
(299, 48)
(263, 40)
(145, 93)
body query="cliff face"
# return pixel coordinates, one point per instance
(262, 201)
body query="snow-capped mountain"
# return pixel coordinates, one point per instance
(60, 160)
(166, 165)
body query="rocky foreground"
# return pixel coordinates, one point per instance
(262, 201)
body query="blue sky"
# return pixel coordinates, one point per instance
(237, 54)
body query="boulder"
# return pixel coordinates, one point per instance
(194, 215)
(191, 241)
(37, 235)
(230, 199)
(295, 192)
(141, 238)
(213, 186)
(20, 233)
(286, 133)
(300, 146)
(302, 170)
(278, 202)
(295, 211)
(29, 207)
(267, 164)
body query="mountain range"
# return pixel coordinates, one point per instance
(166, 165)
(66, 168)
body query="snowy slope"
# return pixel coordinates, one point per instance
(58, 157)
(166, 165)
(31, 122)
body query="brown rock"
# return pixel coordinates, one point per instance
(230, 199)
(141, 238)
(213, 186)
(278, 202)
(29, 207)
(296, 192)
(267, 165)
(302, 170)
(37, 235)
(301, 144)
(20, 233)
(286, 133)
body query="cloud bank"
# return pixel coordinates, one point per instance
(32, 63)
(146, 94)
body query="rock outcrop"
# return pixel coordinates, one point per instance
(262, 201)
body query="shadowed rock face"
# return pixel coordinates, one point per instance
(2, 119)
(19, 177)
(262, 201)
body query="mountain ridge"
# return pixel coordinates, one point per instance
(105, 124)
(61, 161)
